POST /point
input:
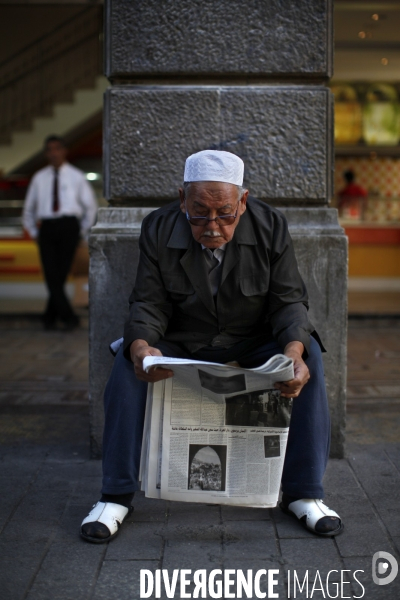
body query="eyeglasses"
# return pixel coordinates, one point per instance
(221, 220)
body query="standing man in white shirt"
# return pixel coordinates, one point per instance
(60, 207)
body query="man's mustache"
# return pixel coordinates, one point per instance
(211, 234)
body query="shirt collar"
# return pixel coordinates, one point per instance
(62, 168)
(220, 248)
(181, 235)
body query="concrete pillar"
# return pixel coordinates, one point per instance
(247, 77)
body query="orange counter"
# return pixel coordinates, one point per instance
(20, 261)
(374, 250)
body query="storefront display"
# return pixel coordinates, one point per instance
(367, 114)
(372, 224)
(348, 115)
(381, 116)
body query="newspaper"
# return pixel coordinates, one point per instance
(216, 433)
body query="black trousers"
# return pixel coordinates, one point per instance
(58, 239)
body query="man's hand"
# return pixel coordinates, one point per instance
(292, 388)
(139, 349)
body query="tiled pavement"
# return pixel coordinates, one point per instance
(48, 483)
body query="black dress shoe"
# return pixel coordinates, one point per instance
(71, 324)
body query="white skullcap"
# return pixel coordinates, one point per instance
(214, 165)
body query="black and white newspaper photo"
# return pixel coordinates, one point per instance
(216, 433)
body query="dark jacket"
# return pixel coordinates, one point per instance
(261, 290)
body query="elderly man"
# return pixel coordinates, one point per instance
(217, 281)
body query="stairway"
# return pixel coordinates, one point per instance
(51, 86)
(66, 116)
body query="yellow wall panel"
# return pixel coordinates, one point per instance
(374, 261)
(19, 261)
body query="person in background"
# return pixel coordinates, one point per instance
(60, 207)
(352, 198)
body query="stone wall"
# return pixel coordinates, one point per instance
(282, 132)
(247, 77)
(221, 39)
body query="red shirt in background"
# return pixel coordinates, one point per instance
(352, 190)
(349, 200)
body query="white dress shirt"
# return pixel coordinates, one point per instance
(76, 198)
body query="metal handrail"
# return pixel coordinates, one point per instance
(44, 36)
(49, 71)
(45, 62)
(54, 34)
